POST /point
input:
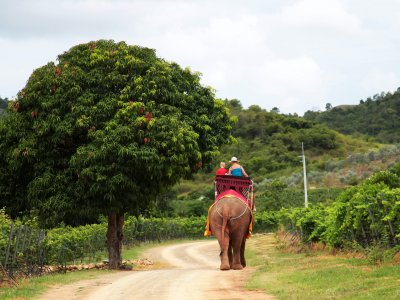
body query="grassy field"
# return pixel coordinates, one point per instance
(31, 288)
(318, 275)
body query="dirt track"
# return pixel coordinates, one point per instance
(194, 274)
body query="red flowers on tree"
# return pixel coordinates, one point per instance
(148, 116)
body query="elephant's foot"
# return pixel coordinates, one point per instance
(243, 263)
(237, 267)
(224, 267)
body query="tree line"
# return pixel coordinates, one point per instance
(376, 117)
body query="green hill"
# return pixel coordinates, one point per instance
(377, 117)
(269, 145)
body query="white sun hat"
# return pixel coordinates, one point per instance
(234, 159)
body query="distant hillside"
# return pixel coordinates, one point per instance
(378, 117)
(3, 105)
(270, 143)
(269, 146)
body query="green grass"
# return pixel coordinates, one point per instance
(31, 288)
(318, 275)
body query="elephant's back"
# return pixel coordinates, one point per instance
(233, 207)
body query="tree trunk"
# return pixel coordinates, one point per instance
(114, 239)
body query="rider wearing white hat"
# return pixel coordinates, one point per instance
(236, 169)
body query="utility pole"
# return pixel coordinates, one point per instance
(304, 175)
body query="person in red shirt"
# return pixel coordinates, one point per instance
(221, 170)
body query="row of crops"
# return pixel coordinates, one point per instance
(363, 217)
(24, 247)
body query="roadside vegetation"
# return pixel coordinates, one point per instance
(65, 245)
(32, 287)
(366, 216)
(287, 273)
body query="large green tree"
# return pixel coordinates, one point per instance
(104, 130)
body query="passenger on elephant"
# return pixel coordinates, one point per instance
(222, 170)
(236, 169)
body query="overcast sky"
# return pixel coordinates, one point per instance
(296, 55)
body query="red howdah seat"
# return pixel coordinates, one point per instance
(241, 184)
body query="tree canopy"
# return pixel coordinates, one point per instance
(105, 129)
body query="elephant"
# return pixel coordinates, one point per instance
(230, 219)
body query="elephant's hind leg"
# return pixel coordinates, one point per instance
(236, 245)
(242, 258)
(230, 254)
(224, 244)
(224, 240)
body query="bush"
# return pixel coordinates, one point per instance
(367, 215)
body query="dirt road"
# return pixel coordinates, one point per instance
(193, 274)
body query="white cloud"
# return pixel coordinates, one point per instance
(327, 14)
(301, 75)
(19, 58)
(292, 54)
(288, 84)
(377, 81)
